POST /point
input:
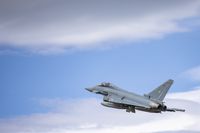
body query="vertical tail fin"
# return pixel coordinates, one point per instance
(160, 92)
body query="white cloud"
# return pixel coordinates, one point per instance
(192, 95)
(193, 73)
(57, 25)
(88, 116)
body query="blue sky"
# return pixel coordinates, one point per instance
(50, 52)
(139, 67)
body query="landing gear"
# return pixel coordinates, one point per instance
(130, 109)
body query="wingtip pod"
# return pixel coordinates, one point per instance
(180, 110)
(175, 109)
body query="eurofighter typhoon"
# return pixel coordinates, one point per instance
(116, 97)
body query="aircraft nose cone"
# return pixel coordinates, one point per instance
(89, 89)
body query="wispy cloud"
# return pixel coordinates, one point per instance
(57, 25)
(88, 116)
(193, 73)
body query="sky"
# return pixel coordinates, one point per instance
(51, 50)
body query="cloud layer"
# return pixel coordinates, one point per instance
(88, 116)
(56, 25)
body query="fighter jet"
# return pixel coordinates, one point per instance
(118, 98)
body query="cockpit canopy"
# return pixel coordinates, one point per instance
(105, 84)
(110, 85)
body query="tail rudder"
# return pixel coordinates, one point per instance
(160, 92)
